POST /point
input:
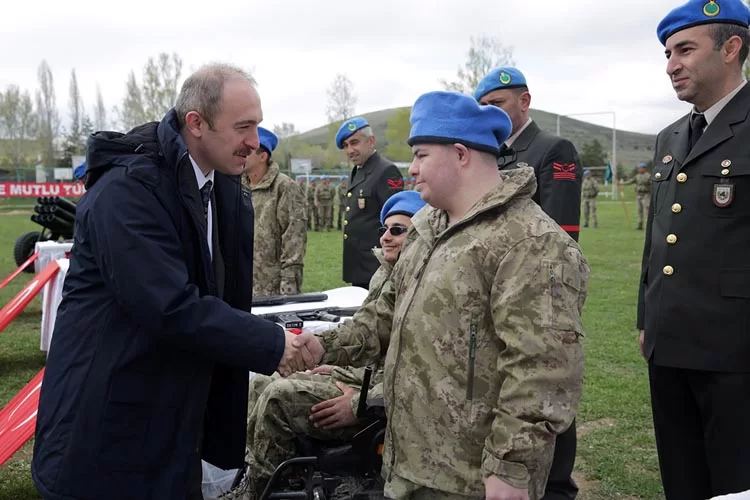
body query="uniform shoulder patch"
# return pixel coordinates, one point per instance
(395, 183)
(563, 171)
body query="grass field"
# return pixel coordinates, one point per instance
(616, 450)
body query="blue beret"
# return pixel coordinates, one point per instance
(500, 78)
(404, 203)
(444, 117)
(642, 165)
(80, 171)
(267, 139)
(696, 12)
(586, 172)
(348, 129)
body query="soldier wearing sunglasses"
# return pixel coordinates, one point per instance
(320, 403)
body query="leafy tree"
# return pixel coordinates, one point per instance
(485, 54)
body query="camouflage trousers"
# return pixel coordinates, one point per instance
(642, 201)
(326, 215)
(589, 206)
(279, 413)
(399, 488)
(342, 209)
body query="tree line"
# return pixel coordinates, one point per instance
(31, 125)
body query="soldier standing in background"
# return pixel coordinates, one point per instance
(589, 190)
(341, 195)
(280, 236)
(302, 182)
(312, 210)
(373, 180)
(324, 198)
(643, 193)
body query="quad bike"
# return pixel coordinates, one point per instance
(327, 470)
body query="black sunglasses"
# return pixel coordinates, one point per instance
(396, 230)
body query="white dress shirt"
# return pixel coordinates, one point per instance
(202, 179)
(518, 132)
(711, 113)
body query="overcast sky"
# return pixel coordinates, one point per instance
(578, 56)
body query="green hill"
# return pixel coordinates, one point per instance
(632, 147)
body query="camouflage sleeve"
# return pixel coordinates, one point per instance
(364, 340)
(560, 178)
(292, 220)
(536, 310)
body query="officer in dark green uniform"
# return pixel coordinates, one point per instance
(373, 180)
(558, 168)
(693, 305)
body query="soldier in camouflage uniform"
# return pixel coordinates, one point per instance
(281, 409)
(642, 193)
(312, 210)
(341, 195)
(324, 198)
(302, 183)
(589, 192)
(481, 372)
(280, 236)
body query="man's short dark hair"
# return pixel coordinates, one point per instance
(722, 32)
(262, 150)
(202, 91)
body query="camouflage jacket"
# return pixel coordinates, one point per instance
(325, 194)
(311, 194)
(280, 234)
(362, 320)
(341, 191)
(589, 188)
(481, 372)
(643, 183)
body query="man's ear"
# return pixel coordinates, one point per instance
(463, 154)
(525, 100)
(194, 123)
(732, 48)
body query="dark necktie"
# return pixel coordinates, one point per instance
(206, 197)
(697, 123)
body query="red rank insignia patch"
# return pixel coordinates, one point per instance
(564, 171)
(395, 183)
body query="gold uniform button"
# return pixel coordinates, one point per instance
(681, 177)
(346, 222)
(657, 175)
(348, 195)
(671, 239)
(347, 209)
(668, 270)
(346, 236)
(725, 171)
(676, 208)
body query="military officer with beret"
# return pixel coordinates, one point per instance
(373, 180)
(559, 175)
(693, 306)
(558, 167)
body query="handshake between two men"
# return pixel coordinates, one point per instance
(301, 352)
